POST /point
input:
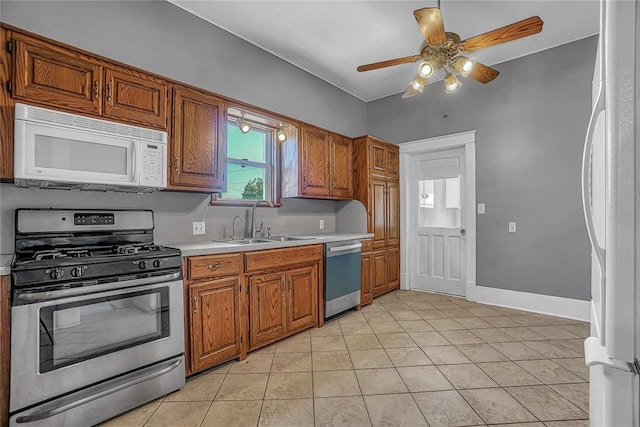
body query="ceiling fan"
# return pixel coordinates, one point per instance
(440, 50)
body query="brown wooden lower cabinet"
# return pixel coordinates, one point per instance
(5, 340)
(282, 303)
(366, 291)
(215, 322)
(385, 270)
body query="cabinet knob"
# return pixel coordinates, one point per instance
(215, 266)
(282, 286)
(176, 161)
(109, 90)
(96, 89)
(195, 304)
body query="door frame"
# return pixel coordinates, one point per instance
(466, 140)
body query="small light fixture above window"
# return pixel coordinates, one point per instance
(281, 135)
(244, 125)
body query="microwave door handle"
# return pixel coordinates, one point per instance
(134, 159)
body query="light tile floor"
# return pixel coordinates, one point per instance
(409, 359)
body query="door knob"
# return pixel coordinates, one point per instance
(463, 232)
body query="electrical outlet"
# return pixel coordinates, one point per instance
(198, 227)
(480, 208)
(512, 227)
(321, 224)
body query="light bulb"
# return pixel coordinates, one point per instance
(243, 125)
(451, 83)
(281, 135)
(464, 65)
(425, 69)
(418, 83)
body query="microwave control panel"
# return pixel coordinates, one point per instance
(152, 164)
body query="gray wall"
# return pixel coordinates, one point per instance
(530, 122)
(174, 213)
(160, 37)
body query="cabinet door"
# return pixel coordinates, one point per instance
(315, 162)
(393, 214)
(393, 268)
(302, 300)
(366, 290)
(136, 97)
(267, 309)
(198, 143)
(341, 164)
(393, 163)
(377, 160)
(379, 272)
(378, 212)
(215, 322)
(55, 76)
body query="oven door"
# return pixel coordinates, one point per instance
(57, 153)
(66, 344)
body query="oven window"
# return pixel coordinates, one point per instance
(73, 332)
(82, 156)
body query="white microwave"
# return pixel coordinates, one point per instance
(53, 149)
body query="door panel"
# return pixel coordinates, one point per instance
(303, 298)
(198, 144)
(55, 76)
(393, 268)
(378, 160)
(315, 162)
(267, 309)
(366, 291)
(438, 255)
(393, 164)
(341, 164)
(135, 97)
(379, 213)
(393, 214)
(379, 272)
(215, 322)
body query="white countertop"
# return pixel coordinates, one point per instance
(5, 264)
(215, 247)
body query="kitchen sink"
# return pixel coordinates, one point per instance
(288, 238)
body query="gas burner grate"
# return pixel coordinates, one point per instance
(49, 254)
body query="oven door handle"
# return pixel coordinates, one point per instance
(60, 293)
(102, 393)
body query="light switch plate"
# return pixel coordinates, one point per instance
(480, 208)
(322, 224)
(512, 227)
(198, 227)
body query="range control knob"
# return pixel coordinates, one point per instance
(142, 265)
(156, 263)
(77, 271)
(57, 274)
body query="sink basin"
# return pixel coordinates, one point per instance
(288, 238)
(248, 241)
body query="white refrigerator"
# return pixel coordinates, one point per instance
(611, 199)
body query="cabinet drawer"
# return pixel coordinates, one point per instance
(202, 267)
(275, 258)
(367, 245)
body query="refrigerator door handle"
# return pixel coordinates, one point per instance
(595, 354)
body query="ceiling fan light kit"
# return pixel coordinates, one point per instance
(440, 50)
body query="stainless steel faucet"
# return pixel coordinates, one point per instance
(233, 227)
(253, 216)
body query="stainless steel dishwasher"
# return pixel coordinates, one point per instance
(341, 276)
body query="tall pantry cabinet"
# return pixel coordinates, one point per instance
(376, 185)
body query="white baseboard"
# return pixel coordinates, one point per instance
(544, 304)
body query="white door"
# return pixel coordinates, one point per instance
(438, 247)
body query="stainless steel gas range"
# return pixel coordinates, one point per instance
(96, 317)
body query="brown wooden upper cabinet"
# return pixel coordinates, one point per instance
(198, 148)
(383, 160)
(318, 165)
(54, 76)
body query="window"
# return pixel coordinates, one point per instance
(252, 159)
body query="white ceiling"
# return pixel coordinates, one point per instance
(331, 38)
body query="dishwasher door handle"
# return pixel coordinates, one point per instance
(345, 248)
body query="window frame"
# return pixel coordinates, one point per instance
(272, 172)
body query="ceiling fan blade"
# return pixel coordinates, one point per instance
(410, 92)
(389, 63)
(483, 74)
(514, 31)
(430, 22)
